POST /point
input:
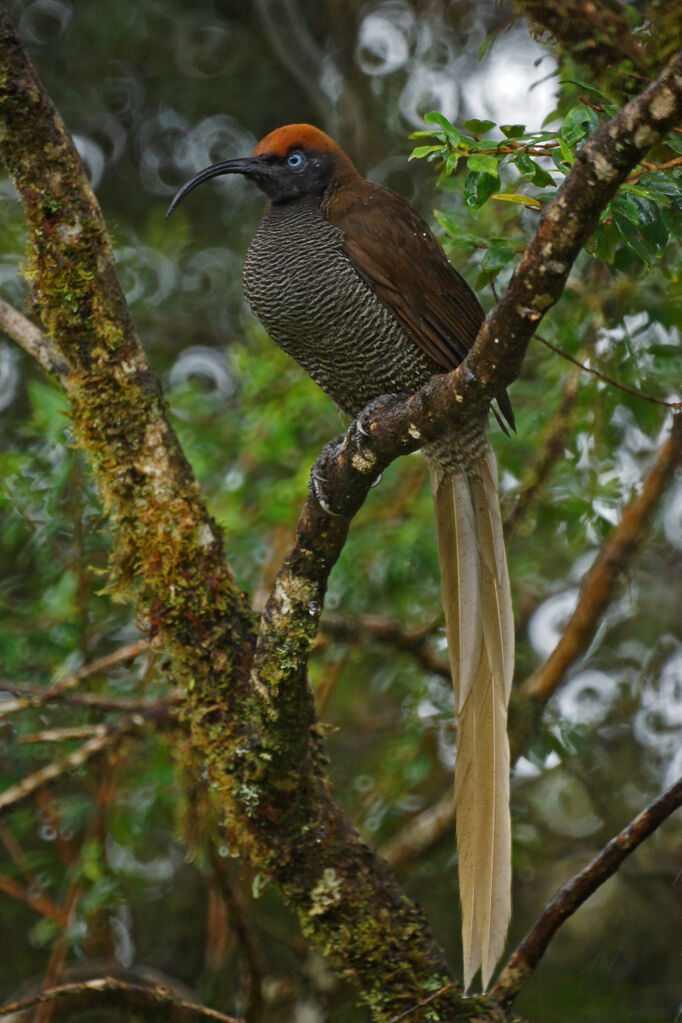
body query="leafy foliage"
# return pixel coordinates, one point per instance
(635, 227)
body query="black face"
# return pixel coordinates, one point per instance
(300, 172)
(282, 178)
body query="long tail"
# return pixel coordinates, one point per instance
(480, 629)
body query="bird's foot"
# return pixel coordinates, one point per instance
(360, 431)
(317, 485)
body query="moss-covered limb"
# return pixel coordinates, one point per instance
(595, 33)
(665, 25)
(168, 548)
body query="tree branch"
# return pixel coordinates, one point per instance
(94, 747)
(572, 895)
(106, 991)
(34, 899)
(614, 559)
(356, 629)
(32, 340)
(38, 697)
(596, 33)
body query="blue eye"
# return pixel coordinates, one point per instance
(294, 159)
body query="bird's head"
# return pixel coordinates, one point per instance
(290, 162)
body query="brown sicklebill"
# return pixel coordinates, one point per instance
(348, 279)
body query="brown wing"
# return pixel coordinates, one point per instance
(387, 241)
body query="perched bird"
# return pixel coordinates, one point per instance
(348, 279)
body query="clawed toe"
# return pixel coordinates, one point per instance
(317, 481)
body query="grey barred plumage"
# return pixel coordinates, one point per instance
(315, 305)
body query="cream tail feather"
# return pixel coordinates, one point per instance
(480, 630)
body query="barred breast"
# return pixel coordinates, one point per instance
(315, 305)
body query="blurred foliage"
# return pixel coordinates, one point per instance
(139, 86)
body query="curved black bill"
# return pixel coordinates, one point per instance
(248, 165)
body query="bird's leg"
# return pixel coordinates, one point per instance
(360, 430)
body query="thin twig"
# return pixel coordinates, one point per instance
(35, 696)
(90, 994)
(56, 769)
(570, 896)
(553, 447)
(384, 630)
(420, 1005)
(609, 380)
(36, 901)
(63, 734)
(422, 832)
(17, 855)
(32, 340)
(239, 921)
(39, 697)
(668, 165)
(614, 558)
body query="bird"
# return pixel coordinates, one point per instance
(347, 277)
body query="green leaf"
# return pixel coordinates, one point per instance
(477, 127)
(586, 85)
(651, 223)
(448, 222)
(451, 133)
(542, 178)
(478, 187)
(661, 185)
(451, 161)
(421, 151)
(497, 256)
(516, 197)
(578, 124)
(485, 164)
(524, 163)
(623, 206)
(674, 142)
(632, 237)
(512, 131)
(456, 238)
(537, 174)
(567, 154)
